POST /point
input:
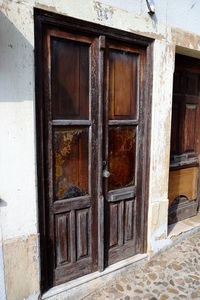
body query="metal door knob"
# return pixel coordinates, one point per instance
(106, 173)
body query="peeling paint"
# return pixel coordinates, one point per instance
(103, 12)
(161, 237)
(185, 39)
(47, 7)
(159, 240)
(20, 258)
(5, 8)
(152, 35)
(34, 296)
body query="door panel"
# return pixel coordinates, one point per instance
(124, 71)
(71, 128)
(62, 227)
(189, 130)
(129, 220)
(123, 85)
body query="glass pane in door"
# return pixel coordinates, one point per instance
(122, 148)
(70, 162)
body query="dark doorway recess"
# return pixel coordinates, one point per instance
(93, 134)
(185, 140)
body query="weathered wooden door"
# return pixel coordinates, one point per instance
(185, 140)
(92, 121)
(123, 151)
(71, 125)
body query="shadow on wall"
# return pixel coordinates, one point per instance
(16, 64)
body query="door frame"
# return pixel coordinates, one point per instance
(42, 19)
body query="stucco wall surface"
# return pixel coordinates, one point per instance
(174, 27)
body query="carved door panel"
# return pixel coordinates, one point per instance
(185, 140)
(71, 147)
(122, 155)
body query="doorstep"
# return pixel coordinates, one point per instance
(184, 227)
(87, 284)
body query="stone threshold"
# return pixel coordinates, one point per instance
(92, 279)
(184, 227)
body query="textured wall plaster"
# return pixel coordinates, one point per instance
(163, 67)
(17, 153)
(17, 169)
(158, 226)
(21, 268)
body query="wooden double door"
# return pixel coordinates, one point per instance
(92, 139)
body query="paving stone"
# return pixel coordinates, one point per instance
(182, 296)
(147, 296)
(181, 288)
(172, 282)
(172, 290)
(165, 283)
(153, 276)
(194, 277)
(176, 267)
(164, 297)
(188, 280)
(141, 284)
(179, 281)
(138, 291)
(119, 287)
(161, 276)
(194, 295)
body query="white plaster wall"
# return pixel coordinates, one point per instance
(17, 151)
(163, 67)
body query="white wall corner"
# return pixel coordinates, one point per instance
(2, 275)
(158, 226)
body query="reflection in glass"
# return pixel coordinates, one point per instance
(70, 162)
(122, 147)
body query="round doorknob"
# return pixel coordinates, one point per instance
(106, 173)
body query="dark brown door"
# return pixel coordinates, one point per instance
(92, 118)
(123, 151)
(71, 147)
(185, 140)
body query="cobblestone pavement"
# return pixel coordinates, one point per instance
(174, 274)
